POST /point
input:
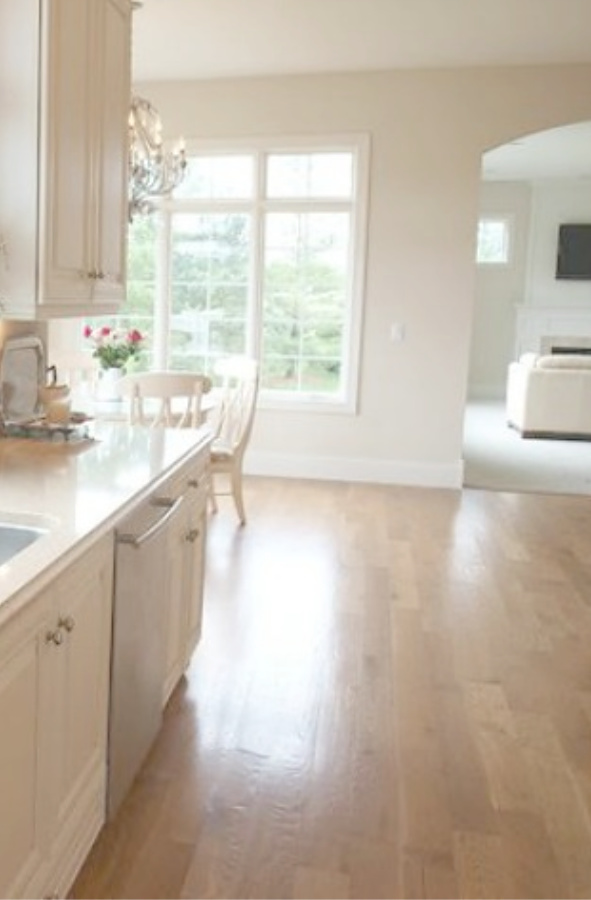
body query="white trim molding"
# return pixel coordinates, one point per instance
(372, 471)
(534, 324)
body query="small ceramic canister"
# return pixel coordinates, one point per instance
(56, 403)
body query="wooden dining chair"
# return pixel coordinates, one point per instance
(232, 426)
(173, 399)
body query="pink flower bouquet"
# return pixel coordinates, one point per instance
(113, 347)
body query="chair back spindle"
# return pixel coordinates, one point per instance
(175, 398)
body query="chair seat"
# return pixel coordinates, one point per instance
(220, 453)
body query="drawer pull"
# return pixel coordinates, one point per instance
(54, 637)
(192, 535)
(171, 507)
(66, 622)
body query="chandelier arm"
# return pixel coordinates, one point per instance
(153, 172)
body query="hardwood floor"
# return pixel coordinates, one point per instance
(392, 698)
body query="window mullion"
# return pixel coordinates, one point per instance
(256, 311)
(308, 206)
(163, 291)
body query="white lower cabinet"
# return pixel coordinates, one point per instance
(54, 693)
(55, 658)
(22, 754)
(185, 567)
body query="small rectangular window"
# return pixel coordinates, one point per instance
(493, 242)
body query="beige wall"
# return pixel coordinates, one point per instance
(428, 130)
(553, 203)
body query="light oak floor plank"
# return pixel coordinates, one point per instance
(391, 698)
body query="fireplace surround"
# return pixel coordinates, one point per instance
(574, 351)
(577, 344)
(539, 328)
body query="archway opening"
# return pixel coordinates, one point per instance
(529, 188)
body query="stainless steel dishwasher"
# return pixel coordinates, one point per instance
(138, 657)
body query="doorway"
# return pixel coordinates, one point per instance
(534, 184)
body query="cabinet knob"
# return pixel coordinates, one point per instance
(54, 637)
(100, 275)
(194, 482)
(66, 622)
(91, 274)
(192, 535)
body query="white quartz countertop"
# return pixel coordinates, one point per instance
(78, 491)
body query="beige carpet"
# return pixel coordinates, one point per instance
(497, 458)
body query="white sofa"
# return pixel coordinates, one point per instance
(550, 395)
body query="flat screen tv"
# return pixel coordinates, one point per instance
(574, 252)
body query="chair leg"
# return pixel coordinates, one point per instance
(237, 494)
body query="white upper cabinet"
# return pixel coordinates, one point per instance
(64, 105)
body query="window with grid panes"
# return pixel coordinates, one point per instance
(261, 252)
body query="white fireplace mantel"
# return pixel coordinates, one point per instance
(537, 328)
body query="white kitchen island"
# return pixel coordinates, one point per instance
(56, 615)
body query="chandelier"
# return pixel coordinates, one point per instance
(153, 172)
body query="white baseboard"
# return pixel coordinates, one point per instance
(376, 471)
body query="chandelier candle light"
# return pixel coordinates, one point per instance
(153, 172)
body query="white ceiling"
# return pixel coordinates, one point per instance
(188, 39)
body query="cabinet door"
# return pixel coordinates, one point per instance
(19, 165)
(185, 568)
(22, 760)
(84, 156)
(82, 599)
(112, 104)
(199, 485)
(176, 604)
(67, 123)
(195, 571)
(63, 174)
(19, 770)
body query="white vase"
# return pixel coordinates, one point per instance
(107, 389)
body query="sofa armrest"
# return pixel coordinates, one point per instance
(549, 401)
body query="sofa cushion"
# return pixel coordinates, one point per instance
(564, 361)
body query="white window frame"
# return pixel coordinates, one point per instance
(359, 145)
(507, 221)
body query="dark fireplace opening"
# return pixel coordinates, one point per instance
(579, 351)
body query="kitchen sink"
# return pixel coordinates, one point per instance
(14, 538)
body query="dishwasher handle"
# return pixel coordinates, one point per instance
(171, 506)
